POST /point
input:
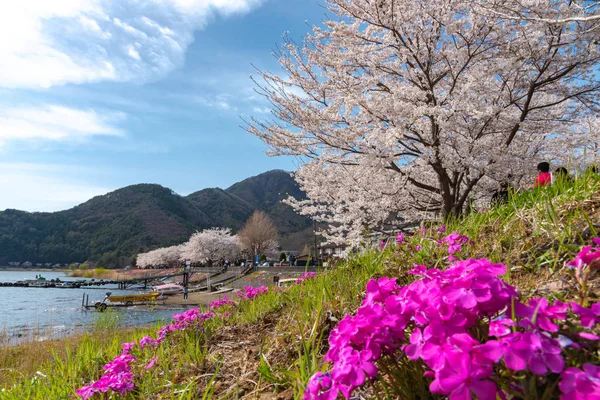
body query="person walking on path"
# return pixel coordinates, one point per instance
(544, 178)
(185, 293)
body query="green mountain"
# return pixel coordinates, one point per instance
(112, 228)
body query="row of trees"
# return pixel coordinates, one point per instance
(406, 109)
(258, 236)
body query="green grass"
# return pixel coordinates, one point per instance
(275, 343)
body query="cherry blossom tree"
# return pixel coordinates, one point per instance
(403, 108)
(165, 256)
(551, 12)
(211, 244)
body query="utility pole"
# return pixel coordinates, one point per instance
(315, 236)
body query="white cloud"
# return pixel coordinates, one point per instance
(56, 123)
(33, 187)
(261, 110)
(47, 43)
(220, 101)
(133, 53)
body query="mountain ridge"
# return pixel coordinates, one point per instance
(110, 229)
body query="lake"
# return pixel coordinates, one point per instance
(55, 312)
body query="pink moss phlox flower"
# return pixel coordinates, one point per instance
(382, 244)
(85, 392)
(353, 370)
(379, 290)
(423, 271)
(146, 340)
(454, 241)
(321, 387)
(417, 248)
(576, 384)
(119, 364)
(128, 346)
(461, 377)
(305, 276)
(545, 353)
(441, 229)
(585, 257)
(588, 317)
(117, 377)
(151, 363)
(220, 303)
(400, 238)
(589, 336)
(419, 344)
(249, 292)
(539, 314)
(512, 348)
(501, 327)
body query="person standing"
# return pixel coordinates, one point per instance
(544, 178)
(185, 293)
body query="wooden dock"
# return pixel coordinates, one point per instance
(142, 282)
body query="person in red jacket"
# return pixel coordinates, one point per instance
(544, 178)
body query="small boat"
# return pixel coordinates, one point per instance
(133, 298)
(38, 283)
(69, 285)
(168, 289)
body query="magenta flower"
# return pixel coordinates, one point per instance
(576, 384)
(538, 314)
(151, 363)
(305, 276)
(585, 257)
(418, 342)
(400, 238)
(320, 387)
(545, 354)
(355, 368)
(501, 327)
(461, 378)
(128, 346)
(589, 317)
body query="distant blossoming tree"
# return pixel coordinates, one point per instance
(259, 235)
(404, 108)
(211, 244)
(165, 256)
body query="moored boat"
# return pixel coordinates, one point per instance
(168, 289)
(133, 298)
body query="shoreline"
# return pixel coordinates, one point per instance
(26, 335)
(21, 269)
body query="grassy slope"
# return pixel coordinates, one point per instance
(270, 347)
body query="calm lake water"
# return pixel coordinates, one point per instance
(55, 312)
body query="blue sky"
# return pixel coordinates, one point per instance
(99, 94)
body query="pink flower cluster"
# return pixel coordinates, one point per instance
(117, 377)
(454, 321)
(454, 242)
(586, 256)
(250, 292)
(305, 276)
(581, 385)
(220, 303)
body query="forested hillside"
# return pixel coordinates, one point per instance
(112, 228)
